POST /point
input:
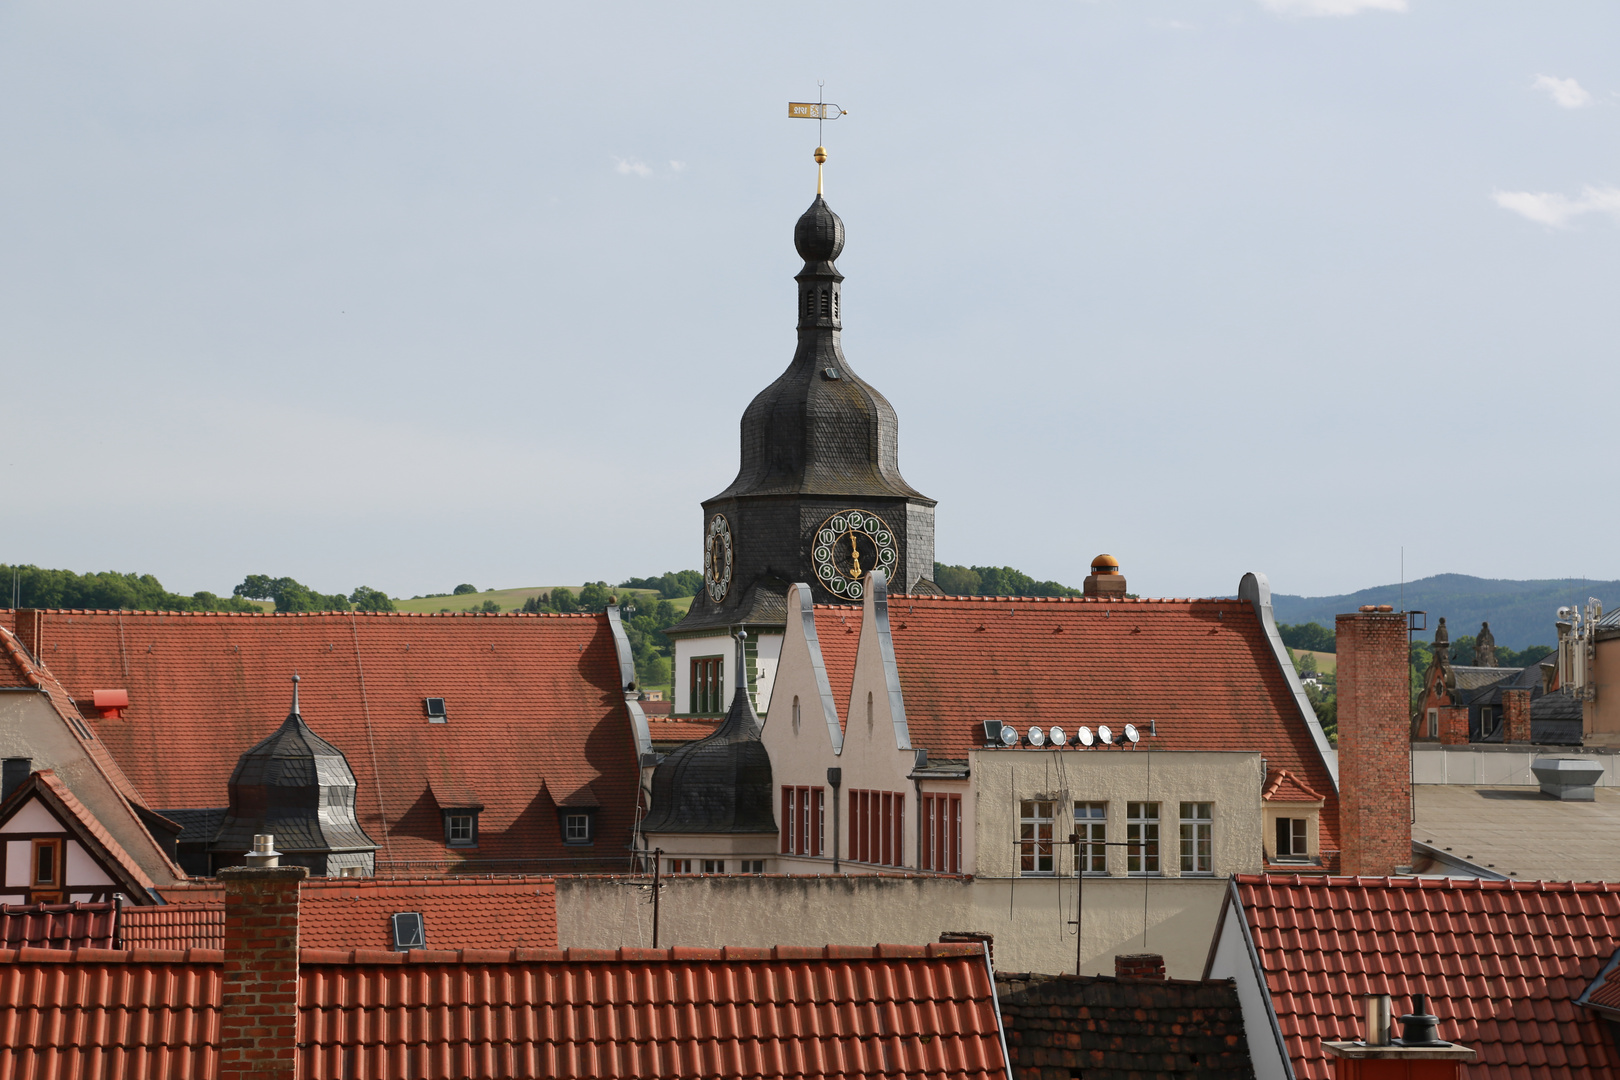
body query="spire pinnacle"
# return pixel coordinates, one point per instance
(294, 711)
(821, 159)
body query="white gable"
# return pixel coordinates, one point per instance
(32, 817)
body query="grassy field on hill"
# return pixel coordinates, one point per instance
(512, 599)
(1326, 662)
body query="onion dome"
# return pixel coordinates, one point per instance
(819, 234)
(718, 784)
(299, 788)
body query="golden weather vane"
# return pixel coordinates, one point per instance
(819, 111)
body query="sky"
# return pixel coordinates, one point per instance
(408, 295)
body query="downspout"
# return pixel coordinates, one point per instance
(919, 762)
(835, 777)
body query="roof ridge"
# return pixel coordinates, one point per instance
(326, 614)
(633, 955)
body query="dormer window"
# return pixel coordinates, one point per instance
(577, 826)
(461, 827)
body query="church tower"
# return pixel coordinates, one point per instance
(818, 496)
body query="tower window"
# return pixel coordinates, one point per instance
(704, 693)
(795, 714)
(835, 305)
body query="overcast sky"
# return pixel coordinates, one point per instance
(408, 295)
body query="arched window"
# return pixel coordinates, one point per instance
(795, 714)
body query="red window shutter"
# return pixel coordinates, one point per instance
(888, 813)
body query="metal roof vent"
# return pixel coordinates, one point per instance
(409, 933)
(435, 709)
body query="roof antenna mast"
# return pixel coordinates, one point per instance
(820, 111)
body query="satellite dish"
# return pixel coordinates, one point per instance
(1059, 737)
(1130, 734)
(1009, 735)
(1037, 737)
(1105, 736)
(1084, 735)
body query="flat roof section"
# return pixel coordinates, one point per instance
(1519, 832)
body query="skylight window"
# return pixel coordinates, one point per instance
(435, 709)
(409, 933)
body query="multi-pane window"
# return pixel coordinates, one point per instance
(942, 833)
(576, 828)
(1487, 721)
(459, 830)
(877, 829)
(753, 866)
(1292, 841)
(706, 691)
(1197, 847)
(714, 866)
(679, 866)
(804, 820)
(1091, 826)
(1035, 837)
(1142, 836)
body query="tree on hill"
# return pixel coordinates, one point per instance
(670, 586)
(994, 581)
(1312, 636)
(463, 590)
(37, 587)
(290, 595)
(644, 626)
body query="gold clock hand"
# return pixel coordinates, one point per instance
(854, 557)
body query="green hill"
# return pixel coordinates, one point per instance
(1521, 613)
(512, 599)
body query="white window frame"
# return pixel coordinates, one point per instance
(1036, 816)
(1142, 828)
(1198, 831)
(1093, 832)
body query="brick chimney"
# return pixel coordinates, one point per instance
(1375, 774)
(1454, 725)
(258, 1027)
(1139, 966)
(1516, 716)
(30, 630)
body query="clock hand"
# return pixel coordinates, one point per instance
(854, 557)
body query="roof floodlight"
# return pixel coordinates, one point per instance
(1037, 737)
(1009, 735)
(1084, 736)
(1059, 737)
(1131, 735)
(1105, 736)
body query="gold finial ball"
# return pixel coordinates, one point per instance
(821, 155)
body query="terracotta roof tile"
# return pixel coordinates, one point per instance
(174, 926)
(838, 632)
(533, 703)
(519, 1013)
(1284, 786)
(1199, 672)
(1502, 963)
(457, 913)
(56, 926)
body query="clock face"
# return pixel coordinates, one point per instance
(717, 557)
(847, 547)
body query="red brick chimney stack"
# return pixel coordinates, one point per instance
(30, 630)
(258, 1030)
(1375, 774)
(1139, 966)
(1516, 716)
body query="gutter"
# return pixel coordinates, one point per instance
(1456, 862)
(1256, 590)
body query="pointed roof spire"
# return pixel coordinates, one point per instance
(294, 711)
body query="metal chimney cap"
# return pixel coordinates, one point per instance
(264, 851)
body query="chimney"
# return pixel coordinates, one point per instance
(1418, 1052)
(1516, 716)
(13, 775)
(1105, 579)
(1454, 725)
(1139, 966)
(30, 630)
(969, 936)
(258, 1027)
(1375, 775)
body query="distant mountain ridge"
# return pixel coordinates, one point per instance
(1521, 613)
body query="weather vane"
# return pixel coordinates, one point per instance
(819, 111)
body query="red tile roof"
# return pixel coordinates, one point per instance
(56, 926)
(1200, 672)
(17, 669)
(535, 713)
(841, 1011)
(353, 913)
(174, 926)
(1284, 786)
(87, 1014)
(838, 632)
(1501, 961)
(666, 730)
